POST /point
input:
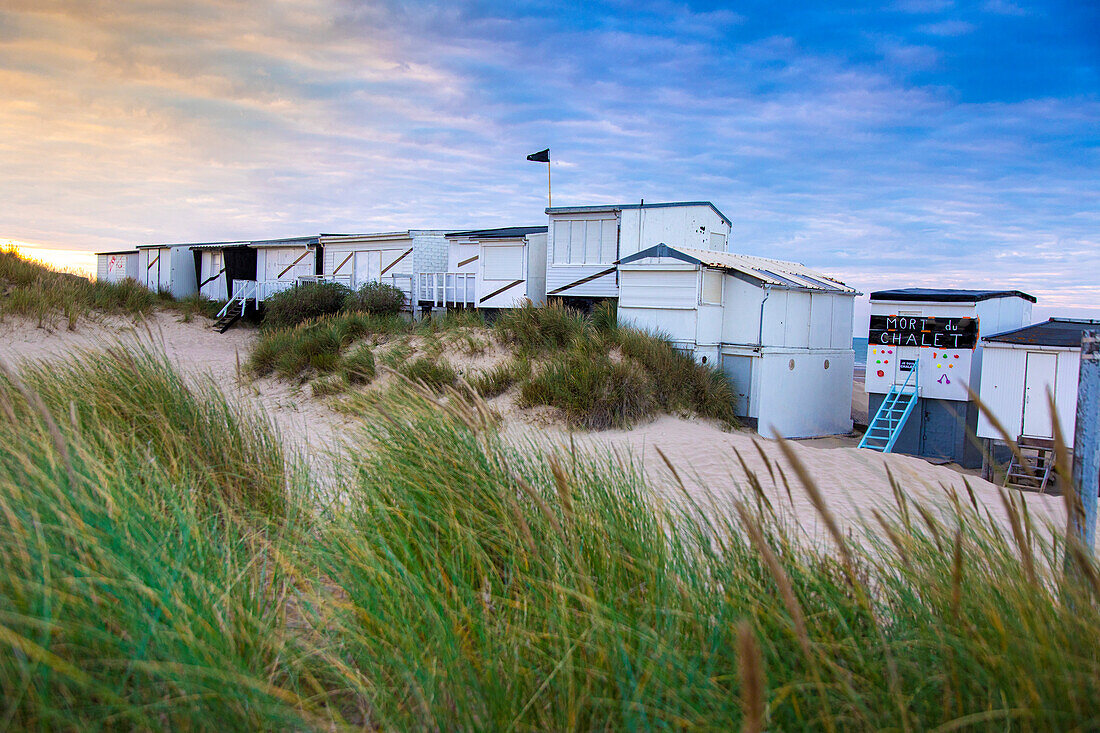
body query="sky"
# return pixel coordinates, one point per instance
(915, 143)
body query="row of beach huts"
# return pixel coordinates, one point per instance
(780, 331)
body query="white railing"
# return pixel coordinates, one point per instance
(341, 279)
(442, 289)
(242, 291)
(260, 290)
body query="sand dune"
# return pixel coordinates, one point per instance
(713, 464)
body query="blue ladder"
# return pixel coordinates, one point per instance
(884, 430)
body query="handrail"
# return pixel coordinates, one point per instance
(447, 288)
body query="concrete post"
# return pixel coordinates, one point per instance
(1086, 441)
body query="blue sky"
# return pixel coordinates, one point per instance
(923, 142)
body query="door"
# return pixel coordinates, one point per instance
(368, 267)
(1039, 378)
(738, 369)
(164, 257)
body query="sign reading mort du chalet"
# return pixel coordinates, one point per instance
(936, 333)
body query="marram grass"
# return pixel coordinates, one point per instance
(454, 581)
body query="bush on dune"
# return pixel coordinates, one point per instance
(303, 303)
(379, 299)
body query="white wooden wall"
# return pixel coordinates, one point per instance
(117, 267)
(1002, 388)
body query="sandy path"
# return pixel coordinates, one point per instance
(853, 481)
(198, 351)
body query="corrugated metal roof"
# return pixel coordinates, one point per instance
(219, 245)
(778, 273)
(1055, 332)
(499, 232)
(286, 242)
(190, 245)
(947, 295)
(620, 207)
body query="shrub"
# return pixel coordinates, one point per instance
(434, 373)
(605, 316)
(592, 390)
(302, 303)
(379, 299)
(679, 383)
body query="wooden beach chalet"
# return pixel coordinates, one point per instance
(924, 353)
(410, 260)
(586, 242)
(114, 267)
(1019, 369)
(167, 268)
(779, 330)
(494, 268)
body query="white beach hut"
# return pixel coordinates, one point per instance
(114, 267)
(585, 242)
(781, 332)
(221, 264)
(1020, 368)
(503, 267)
(924, 354)
(167, 268)
(411, 260)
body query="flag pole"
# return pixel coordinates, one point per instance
(549, 198)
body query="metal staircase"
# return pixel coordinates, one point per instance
(884, 430)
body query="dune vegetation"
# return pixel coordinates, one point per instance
(596, 373)
(50, 297)
(166, 564)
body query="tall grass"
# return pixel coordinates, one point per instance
(460, 582)
(137, 587)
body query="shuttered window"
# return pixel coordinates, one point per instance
(586, 241)
(716, 242)
(502, 262)
(712, 286)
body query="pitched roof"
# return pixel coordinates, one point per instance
(774, 273)
(947, 295)
(621, 207)
(499, 232)
(1055, 332)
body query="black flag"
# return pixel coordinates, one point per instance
(542, 156)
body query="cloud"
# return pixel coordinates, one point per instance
(853, 142)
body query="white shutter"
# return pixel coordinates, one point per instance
(712, 286)
(502, 262)
(609, 240)
(576, 242)
(561, 242)
(717, 242)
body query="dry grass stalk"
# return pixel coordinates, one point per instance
(750, 669)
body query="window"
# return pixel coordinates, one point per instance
(586, 241)
(502, 262)
(716, 242)
(712, 286)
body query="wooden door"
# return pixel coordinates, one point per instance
(1039, 378)
(368, 267)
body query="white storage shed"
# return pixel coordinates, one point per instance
(1019, 369)
(585, 242)
(781, 332)
(413, 260)
(167, 267)
(506, 265)
(114, 267)
(938, 332)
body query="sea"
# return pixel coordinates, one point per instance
(860, 347)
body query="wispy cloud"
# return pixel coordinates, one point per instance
(912, 145)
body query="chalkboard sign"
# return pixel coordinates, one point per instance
(935, 333)
(906, 365)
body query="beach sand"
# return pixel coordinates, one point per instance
(713, 464)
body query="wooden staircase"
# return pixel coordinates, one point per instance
(1036, 469)
(888, 422)
(232, 312)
